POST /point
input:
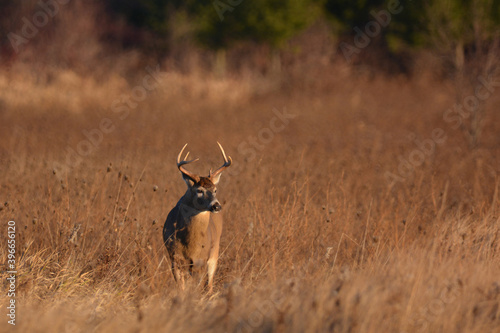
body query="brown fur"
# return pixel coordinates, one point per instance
(193, 227)
(206, 183)
(192, 233)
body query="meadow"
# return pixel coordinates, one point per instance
(353, 205)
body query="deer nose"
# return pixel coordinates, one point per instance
(216, 207)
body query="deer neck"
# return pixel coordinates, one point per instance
(190, 214)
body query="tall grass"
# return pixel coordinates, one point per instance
(315, 237)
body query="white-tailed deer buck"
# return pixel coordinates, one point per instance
(193, 227)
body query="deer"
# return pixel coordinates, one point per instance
(193, 227)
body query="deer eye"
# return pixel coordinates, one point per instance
(199, 191)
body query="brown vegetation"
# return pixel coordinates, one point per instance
(316, 236)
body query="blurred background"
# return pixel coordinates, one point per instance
(240, 37)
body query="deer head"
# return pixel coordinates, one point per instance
(202, 191)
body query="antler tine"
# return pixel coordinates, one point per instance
(227, 162)
(223, 152)
(184, 162)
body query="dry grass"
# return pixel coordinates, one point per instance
(315, 238)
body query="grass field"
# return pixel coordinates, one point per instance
(352, 206)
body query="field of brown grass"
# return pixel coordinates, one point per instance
(363, 211)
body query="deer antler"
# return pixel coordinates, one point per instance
(227, 163)
(180, 164)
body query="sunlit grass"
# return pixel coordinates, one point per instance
(315, 237)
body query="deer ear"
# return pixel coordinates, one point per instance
(189, 181)
(216, 179)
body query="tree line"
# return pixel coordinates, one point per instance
(399, 24)
(456, 27)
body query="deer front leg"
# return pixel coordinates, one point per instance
(211, 267)
(177, 273)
